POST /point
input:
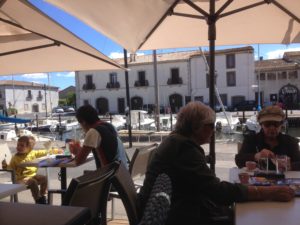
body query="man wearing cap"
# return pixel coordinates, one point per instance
(269, 142)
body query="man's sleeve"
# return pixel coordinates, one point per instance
(92, 139)
(246, 152)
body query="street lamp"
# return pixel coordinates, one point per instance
(258, 96)
(258, 88)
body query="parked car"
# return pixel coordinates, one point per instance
(68, 109)
(58, 110)
(247, 105)
(218, 108)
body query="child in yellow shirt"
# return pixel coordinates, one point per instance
(27, 175)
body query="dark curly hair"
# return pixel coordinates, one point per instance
(88, 114)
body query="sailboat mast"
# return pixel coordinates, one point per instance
(49, 89)
(14, 97)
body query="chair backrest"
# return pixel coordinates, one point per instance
(159, 202)
(124, 185)
(92, 190)
(140, 160)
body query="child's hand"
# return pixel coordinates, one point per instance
(4, 165)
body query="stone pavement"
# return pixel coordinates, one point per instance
(225, 151)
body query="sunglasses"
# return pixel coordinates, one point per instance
(272, 123)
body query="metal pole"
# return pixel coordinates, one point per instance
(157, 108)
(212, 38)
(14, 97)
(258, 83)
(45, 99)
(128, 98)
(49, 89)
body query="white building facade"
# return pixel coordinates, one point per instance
(182, 77)
(279, 80)
(27, 97)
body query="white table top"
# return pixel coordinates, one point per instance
(267, 212)
(263, 213)
(10, 189)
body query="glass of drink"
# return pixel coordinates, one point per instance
(244, 178)
(263, 164)
(281, 163)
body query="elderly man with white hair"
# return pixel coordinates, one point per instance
(198, 196)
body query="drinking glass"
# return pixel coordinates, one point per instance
(281, 163)
(244, 178)
(263, 164)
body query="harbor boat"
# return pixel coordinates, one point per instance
(165, 123)
(140, 120)
(11, 135)
(251, 125)
(67, 125)
(44, 125)
(226, 123)
(118, 121)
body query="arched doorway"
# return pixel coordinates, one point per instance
(288, 95)
(175, 102)
(35, 108)
(136, 103)
(102, 106)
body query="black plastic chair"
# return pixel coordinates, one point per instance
(126, 191)
(137, 169)
(91, 190)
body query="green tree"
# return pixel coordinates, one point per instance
(71, 99)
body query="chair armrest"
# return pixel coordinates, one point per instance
(12, 174)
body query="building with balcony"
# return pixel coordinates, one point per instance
(279, 80)
(182, 77)
(27, 97)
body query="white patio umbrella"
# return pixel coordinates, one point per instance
(32, 42)
(157, 24)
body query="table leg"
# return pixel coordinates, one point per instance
(63, 181)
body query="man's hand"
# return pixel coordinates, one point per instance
(264, 153)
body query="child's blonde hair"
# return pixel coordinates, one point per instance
(24, 139)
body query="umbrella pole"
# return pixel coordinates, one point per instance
(212, 38)
(128, 99)
(157, 105)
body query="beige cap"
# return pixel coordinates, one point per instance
(271, 113)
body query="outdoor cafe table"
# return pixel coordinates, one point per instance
(267, 212)
(10, 189)
(63, 167)
(37, 214)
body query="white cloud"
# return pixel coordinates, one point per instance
(69, 74)
(279, 53)
(35, 76)
(118, 55)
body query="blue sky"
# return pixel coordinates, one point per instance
(113, 50)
